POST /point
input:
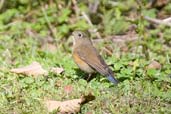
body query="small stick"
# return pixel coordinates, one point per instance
(158, 21)
(167, 20)
(47, 20)
(1, 4)
(85, 17)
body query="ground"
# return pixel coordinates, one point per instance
(137, 50)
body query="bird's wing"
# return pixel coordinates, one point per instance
(90, 55)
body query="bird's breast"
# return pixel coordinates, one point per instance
(81, 64)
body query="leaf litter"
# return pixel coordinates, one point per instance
(68, 106)
(33, 69)
(36, 69)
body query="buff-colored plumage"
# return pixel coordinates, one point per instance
(87, 58)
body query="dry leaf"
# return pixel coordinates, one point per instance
(89, 113)
(57, 70)
(69, 106)
(154, 65)
(68, 88)
(33, 69)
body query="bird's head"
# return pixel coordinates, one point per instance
(79, 36)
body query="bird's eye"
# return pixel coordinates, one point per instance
(79, 35)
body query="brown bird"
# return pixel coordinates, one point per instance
(87, 58)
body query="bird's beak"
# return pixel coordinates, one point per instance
(73, 39)
(73, 33)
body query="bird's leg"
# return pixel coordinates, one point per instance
(89, 77)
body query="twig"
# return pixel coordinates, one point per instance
(158, 21)
(167, 20)
(93, 6)
(87, 18)
(9, 25)
(129, 37)
(47, 20)
(107, 51)
(1, 4)
(77, 10)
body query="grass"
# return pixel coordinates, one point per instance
(25, 94)
(141, 90)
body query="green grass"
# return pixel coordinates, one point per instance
(25, 94)
(141, 90)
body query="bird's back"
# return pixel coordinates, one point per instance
(89, 54)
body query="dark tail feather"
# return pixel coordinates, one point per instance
(112, 79)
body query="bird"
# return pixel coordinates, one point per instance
(87, 58)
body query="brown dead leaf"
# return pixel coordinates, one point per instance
(68, 88)
(69, 106)
(34, 69)
(57, 70)
(89, 113)
(154, 65)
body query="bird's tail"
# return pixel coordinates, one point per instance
(112, 79)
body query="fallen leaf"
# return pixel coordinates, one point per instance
(68, 88)
(34, 69)
(89, 113)
(57, 70)
(154, 65)
(69, 106)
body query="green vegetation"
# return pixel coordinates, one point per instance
(40, 31)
